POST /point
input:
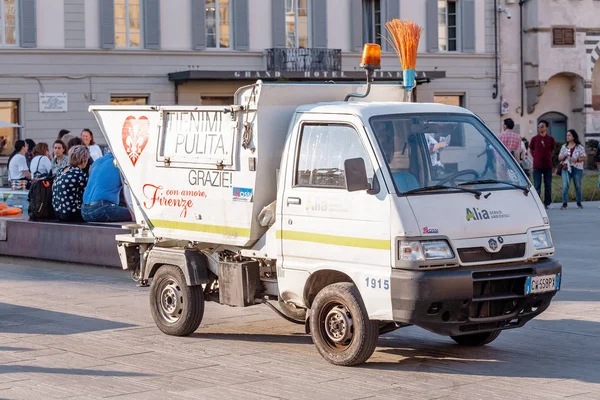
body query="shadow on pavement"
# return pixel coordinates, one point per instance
(16, 369)
(5, 348)
(18, 319)
(562, 351)
(258, 338)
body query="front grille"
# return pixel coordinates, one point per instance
(479, 254)
(497, 293)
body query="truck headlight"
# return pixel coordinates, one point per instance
(541, 239)
(425, 250)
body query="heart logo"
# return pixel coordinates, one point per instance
(135, 136)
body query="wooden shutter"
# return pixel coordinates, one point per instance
(198, 24)
(563, 36)
(278, 23)
(240, 25)
(392, 11)
(318, 21)
(356, 26)
(151, 10)
(431, 26)
(468, 26)
(27, 23)
(107, 24)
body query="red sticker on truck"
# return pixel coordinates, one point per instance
(135, 136)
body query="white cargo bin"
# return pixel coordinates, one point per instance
(203, 174)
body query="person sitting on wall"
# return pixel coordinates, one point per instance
(40, 164)
(88, 140)
(67, 190)
(75, 141)
(61, 159)
(101, 197)
(29, 153)
(17, 164)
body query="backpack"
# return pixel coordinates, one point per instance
(37, 174)
(40, 200)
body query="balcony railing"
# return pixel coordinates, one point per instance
(302, 60)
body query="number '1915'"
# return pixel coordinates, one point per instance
(374, 283)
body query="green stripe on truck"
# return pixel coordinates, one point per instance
(348, 241)
(195, 227)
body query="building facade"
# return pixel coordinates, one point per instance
(60, 56)
(549, 65)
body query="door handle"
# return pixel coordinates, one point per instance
(294, 200)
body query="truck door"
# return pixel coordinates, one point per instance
(323, 226)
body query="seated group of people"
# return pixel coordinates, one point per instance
(86, 186)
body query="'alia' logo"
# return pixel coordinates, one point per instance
(476, 214)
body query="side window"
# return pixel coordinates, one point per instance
(323, 150)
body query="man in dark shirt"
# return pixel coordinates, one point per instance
(542, 148)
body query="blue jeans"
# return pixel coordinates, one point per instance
(537, 183)
(575, 174)
(104, 211)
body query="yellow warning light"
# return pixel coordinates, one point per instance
(371, 57)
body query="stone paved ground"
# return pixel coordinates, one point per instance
(77, 332)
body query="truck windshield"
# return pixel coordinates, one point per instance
(428, 150)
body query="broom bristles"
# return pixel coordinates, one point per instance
(404, 40)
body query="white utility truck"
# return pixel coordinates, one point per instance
(359, 217)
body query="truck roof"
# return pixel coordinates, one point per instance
(368, 109)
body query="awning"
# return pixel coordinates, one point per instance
(4, 124)
(312, 76)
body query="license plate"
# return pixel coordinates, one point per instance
(542, 284)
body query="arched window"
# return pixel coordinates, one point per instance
(558, 125)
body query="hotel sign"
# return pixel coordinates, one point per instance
(299, 75)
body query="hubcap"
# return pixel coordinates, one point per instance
(171, 301)
(338, 325)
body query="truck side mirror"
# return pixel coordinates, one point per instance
(356, 175)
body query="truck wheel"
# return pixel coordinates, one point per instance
(299, 314)
(340, 327)
(177, 309)
(476, 339)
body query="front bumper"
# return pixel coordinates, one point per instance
(469, 300)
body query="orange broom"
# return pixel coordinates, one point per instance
(404, 40)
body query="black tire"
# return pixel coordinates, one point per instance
(298, 314)
(340, 327)
(476, 339)
(177, 309)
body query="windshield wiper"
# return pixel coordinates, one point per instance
(525, 189)
(477, 193)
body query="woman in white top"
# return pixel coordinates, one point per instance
(571, 157)
(17, 163)
(88, 140)
(40, 164)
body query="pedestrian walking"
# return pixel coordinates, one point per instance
(510, 139)
(571, 157)
(542, 148)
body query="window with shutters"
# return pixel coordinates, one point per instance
(8, 15)
(128, 23)
(448, 39)
(372, 26)
(296, 24)
(563, 36)
(218, 24)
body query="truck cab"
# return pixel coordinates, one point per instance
(434, 240)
